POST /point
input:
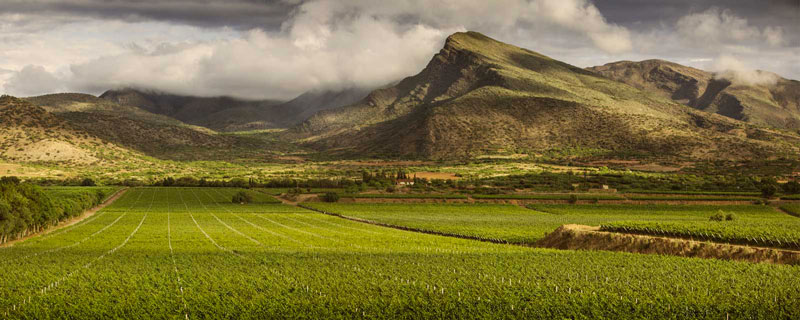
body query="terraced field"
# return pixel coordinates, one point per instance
(190, 253)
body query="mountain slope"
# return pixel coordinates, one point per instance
(31, 134)
(230, 114)
(218, 113)
(479, 96)
(154, 135)
(769, 103)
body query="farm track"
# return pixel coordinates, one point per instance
(64, 226)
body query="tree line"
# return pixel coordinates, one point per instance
(26, 208)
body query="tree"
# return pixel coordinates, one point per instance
(768, 190)
(573, 199)
(242, 197)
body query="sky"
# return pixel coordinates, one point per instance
(262, 49)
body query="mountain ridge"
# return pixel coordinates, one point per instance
(478, 96)
(767, 104)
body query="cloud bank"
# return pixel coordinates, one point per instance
(320, 44)
(278, 49)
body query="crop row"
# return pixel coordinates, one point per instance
(191, 253)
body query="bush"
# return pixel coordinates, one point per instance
(573, 199)
(330, 197)
(242, 197)
(88, 182)
(722, 216)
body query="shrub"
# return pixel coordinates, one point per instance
(330, 197)
(730, 217)
(242, 197)
(88, 182)
(717, 217)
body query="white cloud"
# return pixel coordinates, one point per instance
(722, 27)
(582, 16)
(33, 80)
(323, 43)
(738, 72)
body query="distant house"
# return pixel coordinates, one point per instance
(405, 182)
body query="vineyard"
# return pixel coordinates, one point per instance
(750, 224)
(513, 224)
(192, 253)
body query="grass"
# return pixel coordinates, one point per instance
(188, 252)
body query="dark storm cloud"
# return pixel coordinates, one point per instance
(643, 14)
(237, 14)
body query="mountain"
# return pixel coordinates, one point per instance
(482, 96)
(307, 104)
(230, 114)
(772, 101)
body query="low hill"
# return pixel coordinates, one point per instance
(31, 134)
(481, 96)
(773, 102)
(154, 135)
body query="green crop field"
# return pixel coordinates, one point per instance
(793, 209)
(757, 225)
(191, 253)
(514, 224)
